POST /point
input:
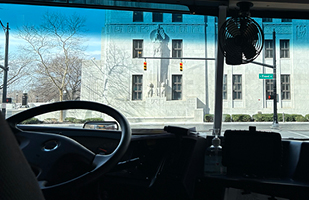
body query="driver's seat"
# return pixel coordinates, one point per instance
(17, 180)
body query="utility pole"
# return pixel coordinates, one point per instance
(5, 67)
(275, 117)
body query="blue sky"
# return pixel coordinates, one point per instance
(17, 15)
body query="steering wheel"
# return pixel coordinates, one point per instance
(44, 151)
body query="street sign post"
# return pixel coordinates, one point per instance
(266, 76)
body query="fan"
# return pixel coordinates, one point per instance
(241, 38)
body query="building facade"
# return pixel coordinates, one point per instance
(131, 78)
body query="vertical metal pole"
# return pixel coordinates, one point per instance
(6, 69)
(206, 69)
(275, 120)
(219, 77)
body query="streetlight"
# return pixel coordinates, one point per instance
(5, 67)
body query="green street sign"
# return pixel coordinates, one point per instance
(266, 76)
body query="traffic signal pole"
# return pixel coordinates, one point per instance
(275, 116)
(5, 68)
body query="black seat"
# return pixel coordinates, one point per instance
(17, 180)
(252, 153)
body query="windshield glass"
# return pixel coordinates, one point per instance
(156, 68)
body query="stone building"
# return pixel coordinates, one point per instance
(165, 93)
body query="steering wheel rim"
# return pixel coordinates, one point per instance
(101, 163)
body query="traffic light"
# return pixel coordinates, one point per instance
(181, 66)
(271, 96)
(8, 100)
(145, 66)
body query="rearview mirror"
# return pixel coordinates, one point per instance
(101, 125)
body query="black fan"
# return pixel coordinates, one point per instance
(241, 38)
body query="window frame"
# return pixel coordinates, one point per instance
(137, 51)
(176, 17)
(267, 20)
(177, 50)
(284, 51)
(237, 93)
(138, 16)
(137, 94)
(286, 20)
(157, 17)
(285, 93)
(176, 92)
(269, 90)
(269, 49)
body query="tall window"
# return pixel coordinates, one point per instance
(137, 48)
(137, 87)
(224, 95)
(267, 19)
(177, 48)
(176, 87)
(237, 87)
(284, 48)
(285, 87)
(157, 17)
(269, 48)
(138, 16)
(286, 20)
(176, 17)
(269, 87)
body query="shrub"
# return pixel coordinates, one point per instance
(257, 117)
(78, 121)
(236, 118)
(241, 118)
(263, 117)
(246, 118)
(292, 118)
(300, 118)
(50, 120)
(280, 117)
(209, 118)
(268, 117)
(69, 119)
(93, 119)
(227, 118)
(288, 118)
(307, 117)
(32, 121)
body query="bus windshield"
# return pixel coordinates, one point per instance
(156, 68)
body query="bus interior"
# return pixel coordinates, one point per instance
(115, 160)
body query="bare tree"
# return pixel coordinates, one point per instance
(74, 80)
(108, 81)
(18, 69)
(45, 90)
(54, 47)
(97, 75)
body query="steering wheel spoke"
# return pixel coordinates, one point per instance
(46, 151)
(100, 160)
